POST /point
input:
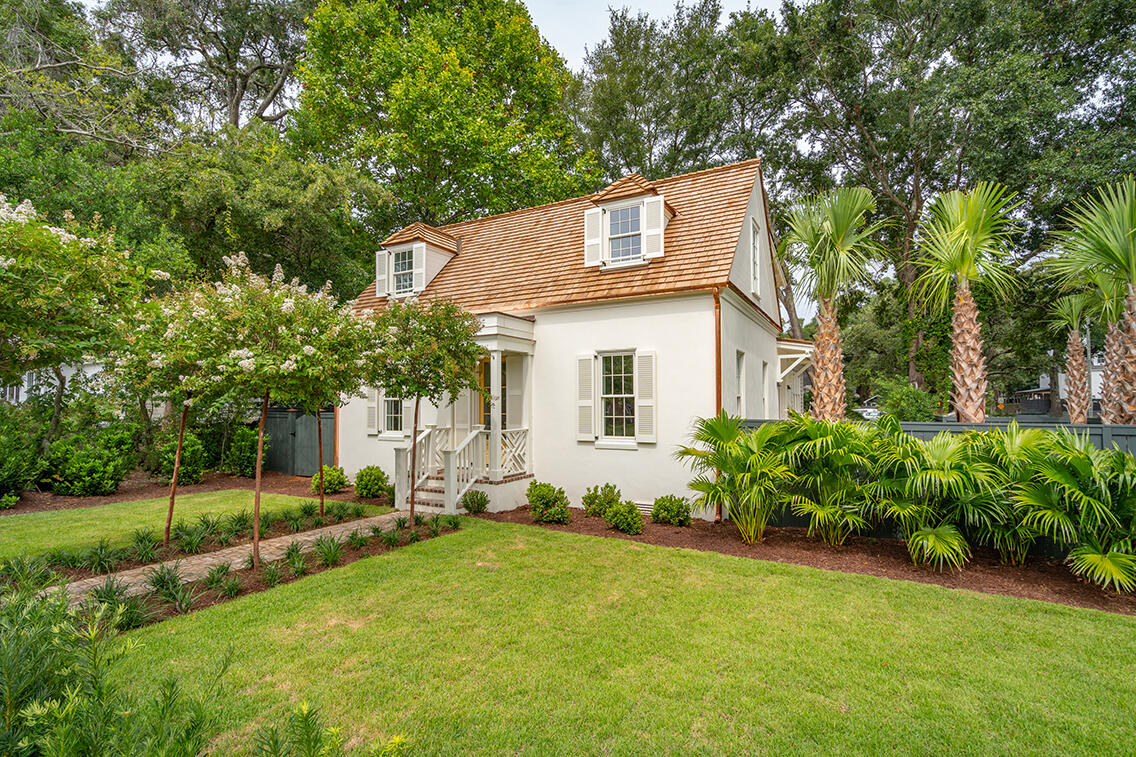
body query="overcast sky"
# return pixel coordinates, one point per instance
(573, 26)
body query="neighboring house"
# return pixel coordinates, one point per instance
(1037, 400)
(611, 323)
(44, 382)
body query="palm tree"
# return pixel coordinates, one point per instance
(830, 237)
(1102, 240)
(964, 239)
(1069, 314)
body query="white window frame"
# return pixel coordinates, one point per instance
(396, 273)
(385, 415)
(602, 396)
(739, 373)
(755, 258)
(609, 237)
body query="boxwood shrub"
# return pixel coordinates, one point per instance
(598, 499)
(86, 471)
(240, 455)
(549, 503)
(192, 468)
(625, 516)
(371, 482)
(671, 509)
(475, 501)
(334, 480)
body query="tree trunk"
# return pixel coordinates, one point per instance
(319, 443)
(56, 407)
(788, 300)
(1054, 391)
(174, 477)
(413, 456)
(144, 417)
(828, 366)
(256, 496)
(1077, 393)
(1113, 341)
(968, 364)
(1126, 386)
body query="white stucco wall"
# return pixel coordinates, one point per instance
(742, 268)
(681, 331)
(749, 332)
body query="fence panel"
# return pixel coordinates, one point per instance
(292, 448)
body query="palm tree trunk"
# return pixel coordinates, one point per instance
(1126, 384)
(968, 364)
(828, 366)
(256, 497)
(1113, 341)
(1077, 378)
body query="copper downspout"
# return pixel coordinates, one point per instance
(717, 372)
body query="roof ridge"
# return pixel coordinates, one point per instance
(735, 164)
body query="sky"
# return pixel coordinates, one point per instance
(573, 26)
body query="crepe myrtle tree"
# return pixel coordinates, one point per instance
(65, 293)
(424, 351)
(286, 341)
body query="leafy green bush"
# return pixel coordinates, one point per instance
(86, 470)
(625, 516)
(372, 482)
(903, 401)
(334, 480)
(475, 501)
(338, 511)
(271, 574)
(19, 458)
(329, 550)
(305, 734)
(240, 456)
(549, 503)
(671, 509)
(8, 501)
(598, 499)
(192, 468)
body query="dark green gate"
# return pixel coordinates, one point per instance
(292, 449)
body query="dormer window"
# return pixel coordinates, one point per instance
(402, 271)
(625, 242)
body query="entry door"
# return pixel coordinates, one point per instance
(482, 403)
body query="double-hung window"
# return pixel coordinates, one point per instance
(402, 269)
(755, 257)
(625, 239)
(392, 414)
(617, 395)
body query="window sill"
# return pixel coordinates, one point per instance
(641, 263)
(616, 444)
(387, 436)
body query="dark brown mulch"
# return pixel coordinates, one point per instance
(1045, 579)
(140, 485)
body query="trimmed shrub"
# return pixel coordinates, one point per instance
(334, 480)
(671, 509)
(625, 516)
(87, 471)
(475, 501)
(549, 503)
(8, 501)
(240, 455)
(371, 482)
(18, 458)
(192, 468)
(598, 499)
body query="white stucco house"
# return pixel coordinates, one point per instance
(611, 322)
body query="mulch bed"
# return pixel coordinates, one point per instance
(141, 485)
(1044, 579)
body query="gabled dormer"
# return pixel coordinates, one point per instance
(626, 226)
(410, 258)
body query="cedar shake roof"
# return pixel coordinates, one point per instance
(420, 232)
(631, 185)
(534, 257)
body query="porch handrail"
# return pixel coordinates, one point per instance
(514, 450)
(462, 467)
(424, 456)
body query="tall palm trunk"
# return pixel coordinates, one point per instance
(1076, 379)
(1126, 379)
(828, 366)
(968, 364)
(1113, 342)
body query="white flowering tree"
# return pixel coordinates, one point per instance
(65, 294)
(287, 343)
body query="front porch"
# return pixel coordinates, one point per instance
(480, 440)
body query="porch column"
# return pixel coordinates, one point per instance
(495, 415)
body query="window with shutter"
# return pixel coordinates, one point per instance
(419, 266)
(585, 398)
(392, 414)
(755, 258)
(654, 219)
(382, 263)
(646, 399)
(617, 395)
(593, 237)
(402, 272)
(372, 410)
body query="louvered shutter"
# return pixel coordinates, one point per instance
(382, 276)
(593, 237)
(372, 410)
(646, 399)
(586, 398)
(654, 218)
(408, 418)
(419, 266)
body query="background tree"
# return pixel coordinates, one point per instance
(830, 237)
(424, 351)
(964, 239)
(455, 107)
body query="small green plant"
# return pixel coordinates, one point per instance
(598, 499)
(295, 522)
(225, 537)
(267, 518)
(248, 563)
(419, 519)
(390, 538)
(315, 521)
(182, 598)
(62, 558)
(144, 545)
(308, 508)
(671, 509)
(26, 570)
(549, 504)
(240, 455)
(942, 547)
(240, 521)
(9, 500)
(292, 551)
(231, 587)
(454, 522)
(625, 517)
(413, 538)
(216, 576)
(334, 480)
(209, 522)
(400, 522)
(436, 525)
(102, 557)
(109, 592)
(296, 563)
(357, 510)
(372, 482)
(329, 550)
(165, 580)
(179, 528)
(376, 530)
(475, 501)
(356, 539)
(337, 511)
(271, 574)
(192, 539)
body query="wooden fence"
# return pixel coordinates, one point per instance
(292, 445)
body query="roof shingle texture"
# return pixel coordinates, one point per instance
(534, 258)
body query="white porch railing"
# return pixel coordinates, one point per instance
(462, 467)
(514, 451)
(424, 456)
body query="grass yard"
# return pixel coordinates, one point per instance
(509, 639)
(81, 527)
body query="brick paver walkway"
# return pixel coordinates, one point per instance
(194, 567)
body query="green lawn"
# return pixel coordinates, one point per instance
(506, 639)
(79, 528)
